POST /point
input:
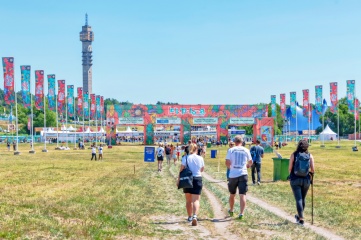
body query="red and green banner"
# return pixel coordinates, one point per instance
(306, 103)
(9, 91)
(102, 107)
(51, 92)
(293, 103)
(61, 97)
(80, 101)
(25, 85)
(357, 104)
(350, 95)
(283, 104)
(273, 105)
(92, 106)
(97, 100)
(70, 100)
(333, 97)
(39, 89)
(318, 99)
(86, 104)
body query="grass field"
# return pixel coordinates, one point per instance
(64, 195)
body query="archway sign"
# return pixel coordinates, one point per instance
(181, 118)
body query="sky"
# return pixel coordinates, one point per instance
(190, 52)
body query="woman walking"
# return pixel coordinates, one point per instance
(301, 170)
(160, 156)
(193, 195)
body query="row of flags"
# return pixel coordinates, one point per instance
(320, 103)
(91, 106)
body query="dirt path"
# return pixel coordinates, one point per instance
(223, 222)
(321, 231)
(220, 224)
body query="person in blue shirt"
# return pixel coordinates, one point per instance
(257, 153)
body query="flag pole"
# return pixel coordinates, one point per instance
(66, 120)
(309, 123)
(44, 133)
(32, 124)
(57, 123)
(338, 126)
(74, 113)
(355, 116)
(83, 122)
(89, 108)
(17, 126)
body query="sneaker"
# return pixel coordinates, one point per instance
(189, 219)
(194, 220)
(297, 219)
(259, 183)
(301, 222)
(230, 213)
(240, 216)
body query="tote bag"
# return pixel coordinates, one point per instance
(185, 177)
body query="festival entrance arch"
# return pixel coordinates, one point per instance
(150, 116)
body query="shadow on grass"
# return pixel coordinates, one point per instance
(274, 224)
(214, 220)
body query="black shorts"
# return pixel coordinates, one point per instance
(240, 183)
(197, 186)
(160, 158)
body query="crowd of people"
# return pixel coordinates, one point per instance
(238, 160)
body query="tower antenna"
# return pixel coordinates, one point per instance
(86, 19)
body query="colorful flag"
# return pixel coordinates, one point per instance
(333, 97)
(51, 92)
(86, 104)
(97, 100)
(80, 101)
(293, 103)
(324, 107)
(25, 85)
(9, 91)
(357, 104)
(306, 103)
(102, 107)
(351, 95)
(61, 97)
(70, 100)
(29, 123)
(273, 105)
(283, 104)
(92, 106)
(39, 89)
(318, 99)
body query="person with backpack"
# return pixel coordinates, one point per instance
(301, 169)
(257, 154)
(160, 156)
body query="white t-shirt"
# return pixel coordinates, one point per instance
(179, 149)
(100, 150)
(94, 150)
(238, 156)
(160, 151)
(195, 163)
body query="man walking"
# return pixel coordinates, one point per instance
(257, 153)
(238, 159)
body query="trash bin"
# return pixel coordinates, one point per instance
(284, 168)
(209, 144)
(276, 169)
(213, 153)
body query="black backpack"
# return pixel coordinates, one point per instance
(302, 164)
(167, 150)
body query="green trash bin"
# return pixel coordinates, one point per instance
(276, 169)
(284, 168)
(209, 144)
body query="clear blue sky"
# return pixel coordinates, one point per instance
(197, 52)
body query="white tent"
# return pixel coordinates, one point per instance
(71, 128)
(327, 134)
(88, 130)
(101, 130)
(128, 129)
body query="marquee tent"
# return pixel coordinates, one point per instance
(302, 121)
(327, 134)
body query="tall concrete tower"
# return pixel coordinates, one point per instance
(87, 37)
